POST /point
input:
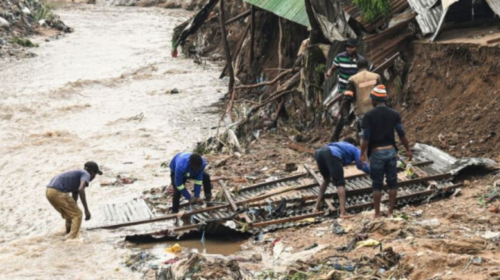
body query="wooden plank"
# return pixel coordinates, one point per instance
(228, 196)
(492, 41)
(286, 220)
(300, 148)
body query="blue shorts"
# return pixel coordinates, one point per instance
(384, 162)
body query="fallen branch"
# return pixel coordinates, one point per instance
(265, 83)
(240, 16)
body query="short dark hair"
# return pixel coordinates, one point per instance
(351, 141)
(362, 64)
(195, 161)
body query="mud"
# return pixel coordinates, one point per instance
(103, 94)
(454, 96)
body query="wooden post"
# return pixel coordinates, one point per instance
(233, 205)
(222, 21)
(252, 36)
(236, 50)
(228, 196)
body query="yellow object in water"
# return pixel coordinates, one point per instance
(174, 249)
(367, 243)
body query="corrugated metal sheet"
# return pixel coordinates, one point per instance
(293, 10)
(397, 6)
(422, 6)
(429, 20)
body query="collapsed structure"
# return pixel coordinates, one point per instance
(288, 202)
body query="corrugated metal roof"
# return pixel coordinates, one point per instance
(421, 6)
(293, 10)
(429, 20)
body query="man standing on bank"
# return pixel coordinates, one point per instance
(331, 160)
(379, 141)
(357, 93)
(346, 64)
(73, 182)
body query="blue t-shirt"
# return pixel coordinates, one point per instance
(183, 171)
(69, 181)
(348, 153)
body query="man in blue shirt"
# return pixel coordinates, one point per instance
(73, 182)
(331, 160)
(186, 166)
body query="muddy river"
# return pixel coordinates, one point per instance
(101, 93)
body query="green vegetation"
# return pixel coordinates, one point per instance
(372, 9)
(23, 42)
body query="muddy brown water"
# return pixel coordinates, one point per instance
(100, 93)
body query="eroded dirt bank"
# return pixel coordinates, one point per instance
(103, 94)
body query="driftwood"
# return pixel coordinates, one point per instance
(237, 49)
(226, 48)
(252, 36)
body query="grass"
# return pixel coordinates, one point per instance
(23, 42)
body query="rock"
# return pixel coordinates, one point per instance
(494, 209)
(175, 91)
(26, 11)
(4, 22)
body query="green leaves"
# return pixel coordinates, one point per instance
(372, 9)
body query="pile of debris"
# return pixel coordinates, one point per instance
(20, 19)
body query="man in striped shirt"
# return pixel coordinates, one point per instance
(346, 64)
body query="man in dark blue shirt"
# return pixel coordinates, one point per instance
(186, 166)
(73, 182)
(379, 142)
(331, 160)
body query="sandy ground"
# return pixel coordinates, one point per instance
(101, 93)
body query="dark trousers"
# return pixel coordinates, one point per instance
(207, 189)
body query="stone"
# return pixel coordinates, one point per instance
(4, 22)
(175, 91)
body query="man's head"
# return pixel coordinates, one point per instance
(196, 162)
(351, 46)
(378, 95)
(351, 141)
(92, 168)
(362, 64)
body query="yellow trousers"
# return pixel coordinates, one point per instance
(67, 207)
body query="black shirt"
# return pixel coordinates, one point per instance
(379, 125)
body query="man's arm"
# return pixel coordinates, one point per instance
(364, 148)
(365, 125)
(81, 192)
(361, 165)
(198, 181)
(335, 65)
(402, 136)
(179, 182)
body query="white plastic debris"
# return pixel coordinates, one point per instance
(491, 235)
(430, 223)
(26, 11)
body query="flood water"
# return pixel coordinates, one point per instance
(102, 94)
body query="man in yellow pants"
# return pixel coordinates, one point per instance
(74, 182)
